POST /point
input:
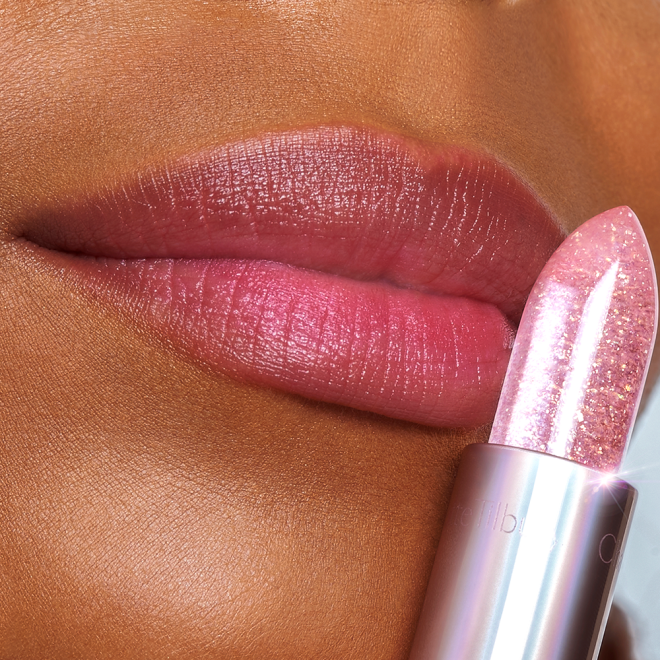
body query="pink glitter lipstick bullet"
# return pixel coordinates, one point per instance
(537, 522)
(581, 354)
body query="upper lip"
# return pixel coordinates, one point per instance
(349, 201)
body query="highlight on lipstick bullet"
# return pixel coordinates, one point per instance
(582, 351)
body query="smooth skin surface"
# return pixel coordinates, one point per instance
(150, 508)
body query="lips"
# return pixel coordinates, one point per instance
(341, 264)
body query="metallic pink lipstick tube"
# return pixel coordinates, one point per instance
(537, 522)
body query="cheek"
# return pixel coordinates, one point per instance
(151, 510)
(228, 540)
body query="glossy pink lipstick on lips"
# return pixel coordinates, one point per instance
(537, 523)
(342, 264)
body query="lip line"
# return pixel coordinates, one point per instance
(166, 176)
(36, 249)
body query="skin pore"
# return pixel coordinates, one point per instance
(154, 508)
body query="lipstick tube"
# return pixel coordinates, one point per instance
(537, 521)
(527, 560)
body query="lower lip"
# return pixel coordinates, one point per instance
(423, 358)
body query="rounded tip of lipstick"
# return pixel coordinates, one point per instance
(583, 347)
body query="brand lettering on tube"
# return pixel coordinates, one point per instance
(607, 548)
(488, 514)
(509, 522)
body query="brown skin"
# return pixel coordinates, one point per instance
(152, 509)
